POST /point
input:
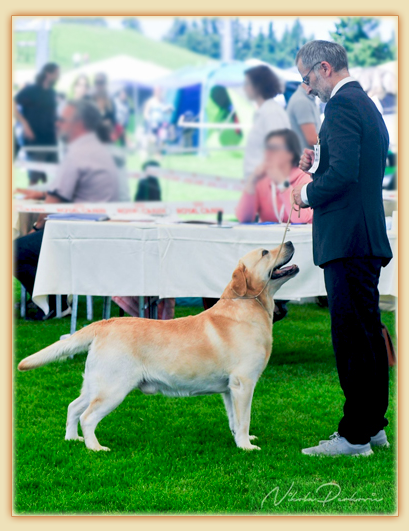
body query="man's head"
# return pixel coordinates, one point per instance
(48, 75)
(322, 64)
(77, 118)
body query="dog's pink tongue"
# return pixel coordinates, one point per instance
(285, 268)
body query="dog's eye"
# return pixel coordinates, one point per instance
(264, 252)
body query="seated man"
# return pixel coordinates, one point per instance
(86, 174)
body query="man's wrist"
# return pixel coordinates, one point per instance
(38, 226)
(304, 195)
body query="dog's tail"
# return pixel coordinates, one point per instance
(78, 342)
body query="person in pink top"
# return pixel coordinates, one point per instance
(268, 190)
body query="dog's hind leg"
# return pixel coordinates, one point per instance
(75, 410)
(242, 389)
(99, 407)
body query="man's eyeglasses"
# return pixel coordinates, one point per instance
(306, 79)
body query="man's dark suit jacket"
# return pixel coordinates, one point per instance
(346, 191)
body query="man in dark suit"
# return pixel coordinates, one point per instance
(349, 241)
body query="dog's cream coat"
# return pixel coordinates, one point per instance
(222, 350)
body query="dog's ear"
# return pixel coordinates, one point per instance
(238, 280)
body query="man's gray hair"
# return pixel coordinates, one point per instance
(317, 51)
(88, 113)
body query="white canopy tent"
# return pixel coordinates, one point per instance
(119, 69)
(21, 77)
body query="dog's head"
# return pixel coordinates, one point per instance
(261, 267)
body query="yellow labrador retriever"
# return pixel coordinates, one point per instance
(222, 350)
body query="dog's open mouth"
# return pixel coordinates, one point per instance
(279, 271)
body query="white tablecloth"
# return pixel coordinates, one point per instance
(180, 260)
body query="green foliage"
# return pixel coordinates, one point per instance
(176, 455)
(362, 41)
(359, 35)
(132, 23)
(205, 38)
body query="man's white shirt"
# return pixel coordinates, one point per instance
(304, 196)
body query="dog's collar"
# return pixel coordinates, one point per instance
(262, 305)
(250, 299)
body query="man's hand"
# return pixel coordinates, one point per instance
(307, 160)
(30, 194)
(297, 196)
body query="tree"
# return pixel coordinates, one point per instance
(272, 44)
(132, 23)
(203, 38)
(292, 40)
(259, 46)
(361, 39)
(178, 30)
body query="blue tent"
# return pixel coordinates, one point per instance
(191, 89)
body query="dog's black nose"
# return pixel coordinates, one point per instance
(289, 244)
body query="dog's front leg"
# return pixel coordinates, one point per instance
(242, 389)
(229, 409)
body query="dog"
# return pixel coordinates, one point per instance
(221, 350)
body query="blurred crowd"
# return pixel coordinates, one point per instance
(77, 132)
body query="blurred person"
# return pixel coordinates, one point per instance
(350, 242)
(304, 116)
(268, 190)
(35, 107)
(86, 174)
(104, 102)
(261, 85)
(149, 187)
(155, 114)
(123, 113)
(81, 87)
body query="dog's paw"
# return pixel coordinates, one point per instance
(78, 438)
(249, 447)
(253, 437)
(99, 449)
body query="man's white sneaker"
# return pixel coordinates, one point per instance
(378, 440)
(338, 445)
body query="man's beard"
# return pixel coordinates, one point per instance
(322, 91)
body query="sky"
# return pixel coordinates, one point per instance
(156, 27)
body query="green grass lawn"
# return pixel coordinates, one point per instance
(177, 456)
(101, 43)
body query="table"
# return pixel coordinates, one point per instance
(178, 260)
